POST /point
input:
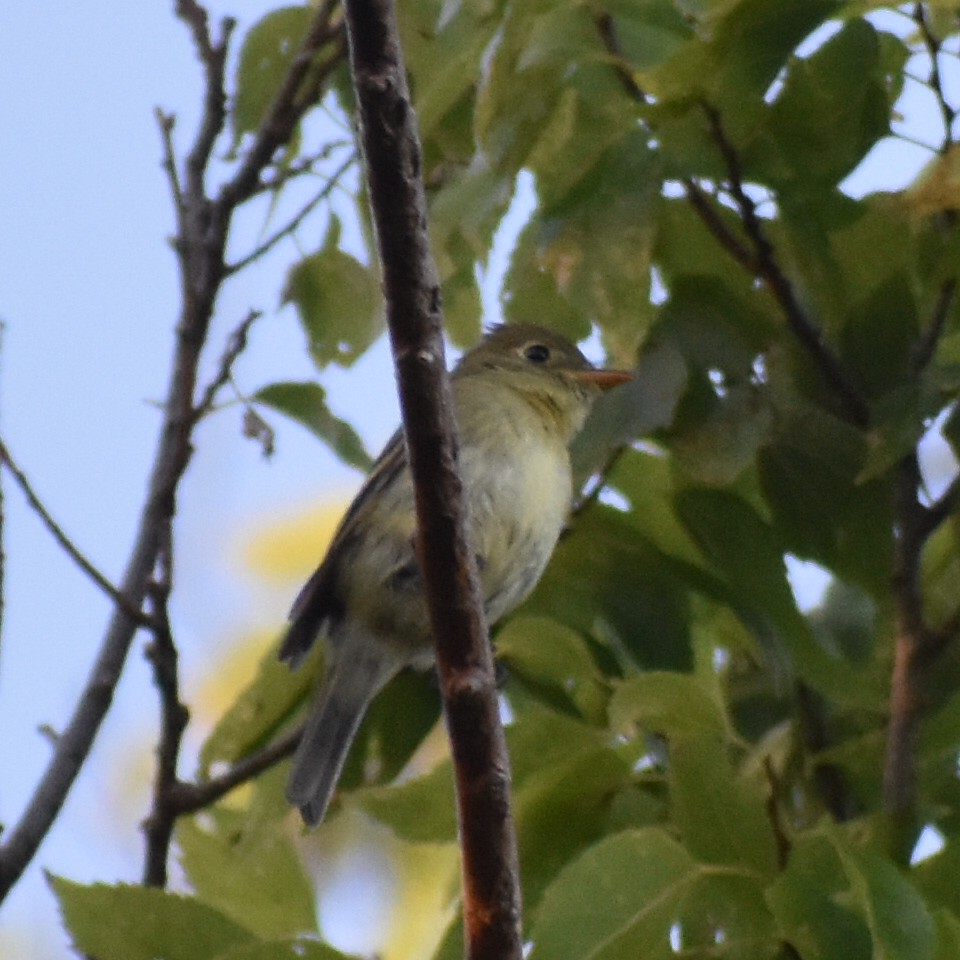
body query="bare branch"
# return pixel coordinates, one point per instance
(213, 56)
(191, 797)
(299, 168)
(295, 221)
(236, 344)
(166, 122)
(202, 228)
(298, 92)
(411, 287)
(174, 716)
(68, 546)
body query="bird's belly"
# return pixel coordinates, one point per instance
(517, 510)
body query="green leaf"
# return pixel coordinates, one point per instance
(265, 58)
(737, 55)
(671, 704)
(637, 893)
(844, 525)
(746, 552)
(637, 408)
(808, 900)
(423, 810)
(606, 573)
(306, 403)
(849, 79)
(626, 885)
(143, 923)
(948, 935)
(561, 808)
(938, 877)
(247, 869)
(283, 950)
(546, 654)
(898, 919)
(338, 302)
(721, 817)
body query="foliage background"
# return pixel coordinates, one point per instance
(761, 463)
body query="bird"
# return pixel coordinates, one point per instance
(519, 397)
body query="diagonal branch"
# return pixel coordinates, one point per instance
(190, 797)
(236, 344)
(391, 148)
(293, 224)
(68, 546)
(768, 269)
(934, 47)
(298, 92)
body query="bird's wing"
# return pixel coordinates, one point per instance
(321, 600)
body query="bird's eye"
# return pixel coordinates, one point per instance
(537, 353)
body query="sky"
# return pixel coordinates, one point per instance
(88, 300)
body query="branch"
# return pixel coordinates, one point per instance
(174, 716)
(926, 347)
(213, 56)
(295, 221)
(767, 268)
(714, 223)
(191, 797)
(934, 46)
(391, 149)
(71, 550)
(298, 92)
(299, 168)
(236, 344)
(166, 122)
(912, 641)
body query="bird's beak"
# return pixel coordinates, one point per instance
(604, 379)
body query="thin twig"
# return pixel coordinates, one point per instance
(298, 92)
(190, 797)
(68, 546)
(236, 344)
(607, 30)
(279, 177)
(934, 47)
(174, 716)
(926, 347)
(768, 269)
(295, 221)
(213, 56)
(712, 220)
(167, 122)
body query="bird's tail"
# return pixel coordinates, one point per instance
(356, 672)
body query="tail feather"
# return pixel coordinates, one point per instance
(354, 678)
